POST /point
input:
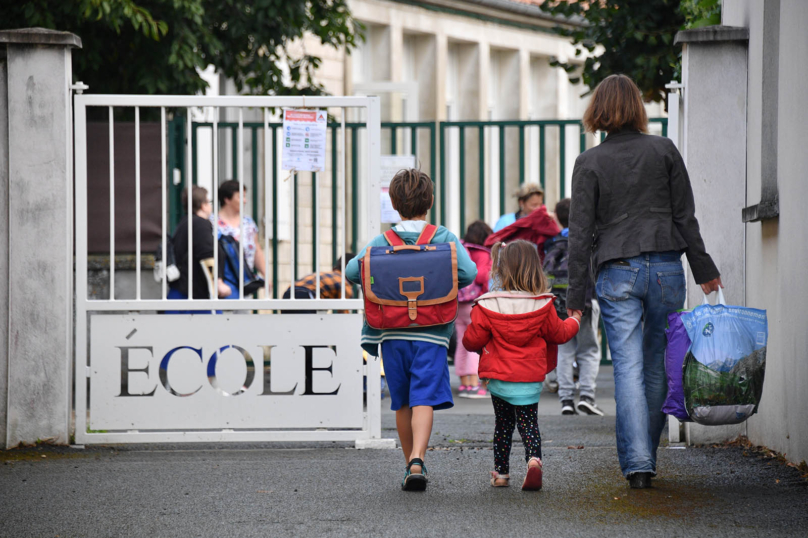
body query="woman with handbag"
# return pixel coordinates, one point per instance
(229, 226)
(466, 362)
(633, 216)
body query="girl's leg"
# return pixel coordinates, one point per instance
(503, 434)
(463, 360)
(528, 423)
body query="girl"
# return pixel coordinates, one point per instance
(516, 330)
(466, 362)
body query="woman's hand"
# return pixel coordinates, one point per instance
(224, 290)
(577, 314)
(711, 286)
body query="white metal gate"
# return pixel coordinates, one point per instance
(144, 376)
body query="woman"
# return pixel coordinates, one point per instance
(203, 245)
(530, 197)
(633, 213)
(230, 221)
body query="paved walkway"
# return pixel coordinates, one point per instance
(330, 489)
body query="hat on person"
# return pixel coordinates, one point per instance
(527, 190)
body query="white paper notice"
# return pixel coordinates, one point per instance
(304, 140)
(390, 165)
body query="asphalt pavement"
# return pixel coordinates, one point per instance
(332, 489)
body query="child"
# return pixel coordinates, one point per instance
(466, 362)
(415, 362)
(516, 330)
(583, 348)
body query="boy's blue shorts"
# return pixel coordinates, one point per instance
(417, 373)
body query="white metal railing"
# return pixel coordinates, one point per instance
(86, 307)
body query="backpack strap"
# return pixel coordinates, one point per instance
(393, 239)
(427, 234)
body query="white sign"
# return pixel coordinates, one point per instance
(232, 371)
(390, 166)
(304, 140)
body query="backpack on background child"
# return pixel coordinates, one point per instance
(411, 277)
(516, 331)
(465, 362)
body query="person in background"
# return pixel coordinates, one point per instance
(330, 286)
(515, 330)
(230, 220)
(466, 362)
(632, 217)
(203, 245)
(584, 348)
(530, 197)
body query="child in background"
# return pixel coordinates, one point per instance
(415, 359)
(466, 362)
(516, 330)
(585, 347)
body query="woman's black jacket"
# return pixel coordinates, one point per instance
(631, 194)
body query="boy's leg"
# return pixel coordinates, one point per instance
(429, 388)
(420, 430)
(503, 434)
(527, 421)
(404, 428)
(588, 354)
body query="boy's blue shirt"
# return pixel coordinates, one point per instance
(438, 334)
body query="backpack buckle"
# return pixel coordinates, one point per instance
(412, 296)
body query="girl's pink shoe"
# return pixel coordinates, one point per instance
(534, 476)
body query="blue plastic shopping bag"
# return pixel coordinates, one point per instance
(724, 367)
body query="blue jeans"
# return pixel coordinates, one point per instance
(636, 295)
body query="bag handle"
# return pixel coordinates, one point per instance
(720, 300)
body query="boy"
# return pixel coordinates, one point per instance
(584, 347)
(415, 362)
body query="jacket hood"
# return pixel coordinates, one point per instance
(517, 314)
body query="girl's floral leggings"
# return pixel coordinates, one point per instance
(508, 417)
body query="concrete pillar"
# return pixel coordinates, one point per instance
(36, 249)
(714, 76)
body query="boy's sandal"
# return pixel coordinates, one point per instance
(533, 479)
(415, 481)
(496, 476)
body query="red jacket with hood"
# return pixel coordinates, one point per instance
(517, 335)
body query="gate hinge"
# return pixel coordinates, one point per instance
(87, 371)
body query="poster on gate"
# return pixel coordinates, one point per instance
(303, 140)
(390, 166)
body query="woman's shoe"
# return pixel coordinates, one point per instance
(414, 481)
(533, 478)
(497, 480)
(639, 480)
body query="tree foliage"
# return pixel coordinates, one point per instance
(632, 37)
(156, 46)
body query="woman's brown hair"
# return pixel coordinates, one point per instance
(516, 266)
(616, 105)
